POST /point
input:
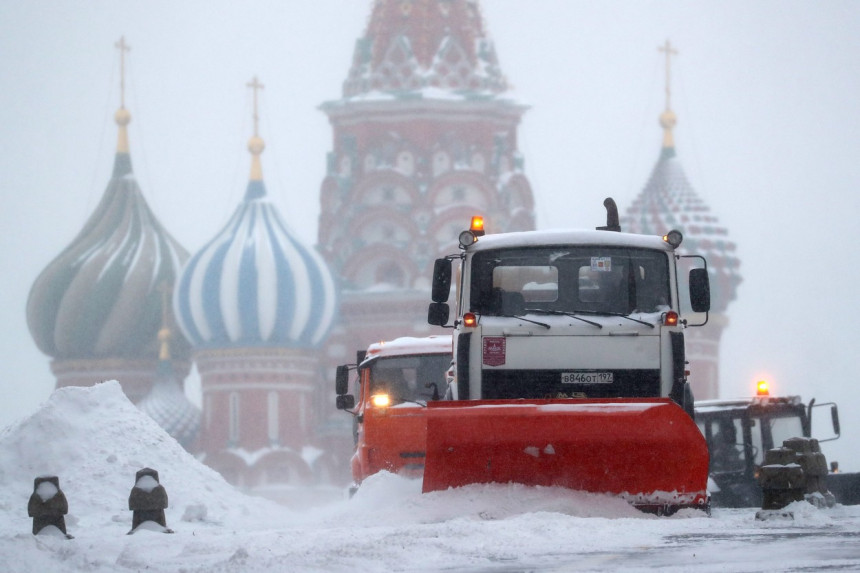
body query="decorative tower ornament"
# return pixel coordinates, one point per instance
(257, 305)
(669, 202)
(668, 120)
(166, 403)
(96, 308)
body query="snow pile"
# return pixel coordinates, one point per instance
(95, 440)
(391, 499)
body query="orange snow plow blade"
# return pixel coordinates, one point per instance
(647, 451)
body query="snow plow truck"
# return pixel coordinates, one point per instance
(568, 365)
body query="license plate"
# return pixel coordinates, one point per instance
(586, 378)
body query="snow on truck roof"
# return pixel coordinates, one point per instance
(569, 237)
(435, 344)
(705, 406)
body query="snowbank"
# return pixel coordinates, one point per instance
(95, 440)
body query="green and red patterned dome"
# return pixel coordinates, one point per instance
(101, 298)
(668, 202)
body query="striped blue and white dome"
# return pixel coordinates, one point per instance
(255, 284)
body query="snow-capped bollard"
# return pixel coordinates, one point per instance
(48, 505)
(148, 500)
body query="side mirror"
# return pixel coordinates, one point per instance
(438, 313)
(341, 380)
(345, 402)
(815, 413)
(700, 290)
(834, 415)
(441, 281)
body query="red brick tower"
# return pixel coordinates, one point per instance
(424, 137)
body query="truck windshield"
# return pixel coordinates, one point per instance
(595, 279)
(409, 378)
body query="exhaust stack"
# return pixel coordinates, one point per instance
(612, 222)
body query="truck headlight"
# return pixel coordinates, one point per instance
(380, 400)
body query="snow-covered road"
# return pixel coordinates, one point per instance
(95, 440)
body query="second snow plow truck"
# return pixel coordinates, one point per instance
(568, 366)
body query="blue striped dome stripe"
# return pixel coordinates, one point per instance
(315, 294)
(246, 303)
(193, 319)
(210, 295)
(285, 307)
(292, 279)
(317, 299)
(319, 290)
(289, 304)
(209, 278)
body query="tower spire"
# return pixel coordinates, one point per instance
(122, 163)
(256, 144)
(123, 48)
(668, 118)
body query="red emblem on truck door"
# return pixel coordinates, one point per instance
(494, 350)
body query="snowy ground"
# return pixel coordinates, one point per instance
(95, 441)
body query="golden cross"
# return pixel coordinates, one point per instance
(255, 85)
(670, 51)
(123, 48)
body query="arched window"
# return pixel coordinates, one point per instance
(273, 420)
(233, 420)
(390, 274)
(207, 410)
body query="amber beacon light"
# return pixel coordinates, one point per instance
(477, 226)
(475, 230)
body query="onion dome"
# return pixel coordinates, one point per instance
(166, 403)
(255, 284)
(410, 46)
(668, 202)
(100, 297)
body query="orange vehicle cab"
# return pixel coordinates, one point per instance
(395, 381)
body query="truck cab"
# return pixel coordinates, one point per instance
(570, 314)
(395, 380)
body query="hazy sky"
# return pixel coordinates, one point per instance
(768, 132)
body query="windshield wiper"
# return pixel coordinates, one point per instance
(564, 313)
(543, 324)
(610, 313)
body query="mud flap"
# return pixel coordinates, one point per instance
(647, 451)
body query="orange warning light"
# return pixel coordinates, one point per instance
(477, 226)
